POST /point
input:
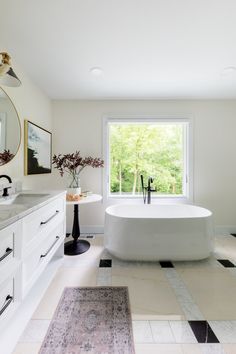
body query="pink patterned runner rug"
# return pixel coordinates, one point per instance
(93, 320)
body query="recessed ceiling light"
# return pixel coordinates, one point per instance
(96, 71)
(229, 70)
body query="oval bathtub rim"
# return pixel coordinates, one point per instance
(108, 212)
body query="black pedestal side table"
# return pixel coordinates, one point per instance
(77, 246)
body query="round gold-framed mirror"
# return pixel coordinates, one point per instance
(10, 129)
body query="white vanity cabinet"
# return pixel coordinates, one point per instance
(43, 235)
(10, 269)
(26, 248)
(41, 222)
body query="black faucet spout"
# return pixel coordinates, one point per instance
(150, 180)
(149, 189)
(5, 190)
(7, 177)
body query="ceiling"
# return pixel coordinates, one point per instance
(146, 48)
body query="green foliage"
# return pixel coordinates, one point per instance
(150, 149)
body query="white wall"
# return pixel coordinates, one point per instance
(32, 104)
(77, 125)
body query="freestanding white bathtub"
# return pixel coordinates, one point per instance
(158, 232)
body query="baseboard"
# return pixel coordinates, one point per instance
(224, 230)
(93, 229)
(220, 230)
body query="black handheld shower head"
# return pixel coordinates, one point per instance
(141, 176)
(143, 189)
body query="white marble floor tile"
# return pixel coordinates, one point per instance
(27, 348)
(116, 262)
(191, 349)
(205, 263)
(156, 317)
(226, 247)
(174, 278)
(77, 262)
(212, 349)
(171, 273)
(183, 294)
(89, 258)
(213, 291)
(121, 263)
(232, 271)
(184, 298)
(191, 311)
(229, 348)
(142, 332)
(35, 331)
(225, 331)
(106, 255)
(150, 293)
(182, 332)
(162, 332)
(104, 276)
(158, 349)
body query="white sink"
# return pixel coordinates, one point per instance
(22, 198)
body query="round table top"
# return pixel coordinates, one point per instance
(92, 198)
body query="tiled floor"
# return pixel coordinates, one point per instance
(189, 308)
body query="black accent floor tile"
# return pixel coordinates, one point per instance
(203, 332)
(234, 235)
(166, 264)
(226, 263)
(105, 263)
(89, 236)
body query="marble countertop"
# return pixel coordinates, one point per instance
(9, 213)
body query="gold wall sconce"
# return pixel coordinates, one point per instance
(7, 75)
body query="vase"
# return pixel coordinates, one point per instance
(74, 187)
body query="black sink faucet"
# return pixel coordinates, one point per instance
(5, 190)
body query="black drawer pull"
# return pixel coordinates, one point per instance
(51, 217)
(51, 247)
(7, 302)
(8, 251)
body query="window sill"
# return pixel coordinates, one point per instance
(154, 200)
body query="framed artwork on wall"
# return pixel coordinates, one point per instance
(38, 149)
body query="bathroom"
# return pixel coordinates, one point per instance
(75, 107)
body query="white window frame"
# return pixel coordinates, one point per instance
(187, 196)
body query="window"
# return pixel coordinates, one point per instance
(150, 147)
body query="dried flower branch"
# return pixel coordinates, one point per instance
(74, 163)
(5, 156)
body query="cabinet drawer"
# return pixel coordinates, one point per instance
(6, 296)
(42, 220)
(42, 253)
(6, 245)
